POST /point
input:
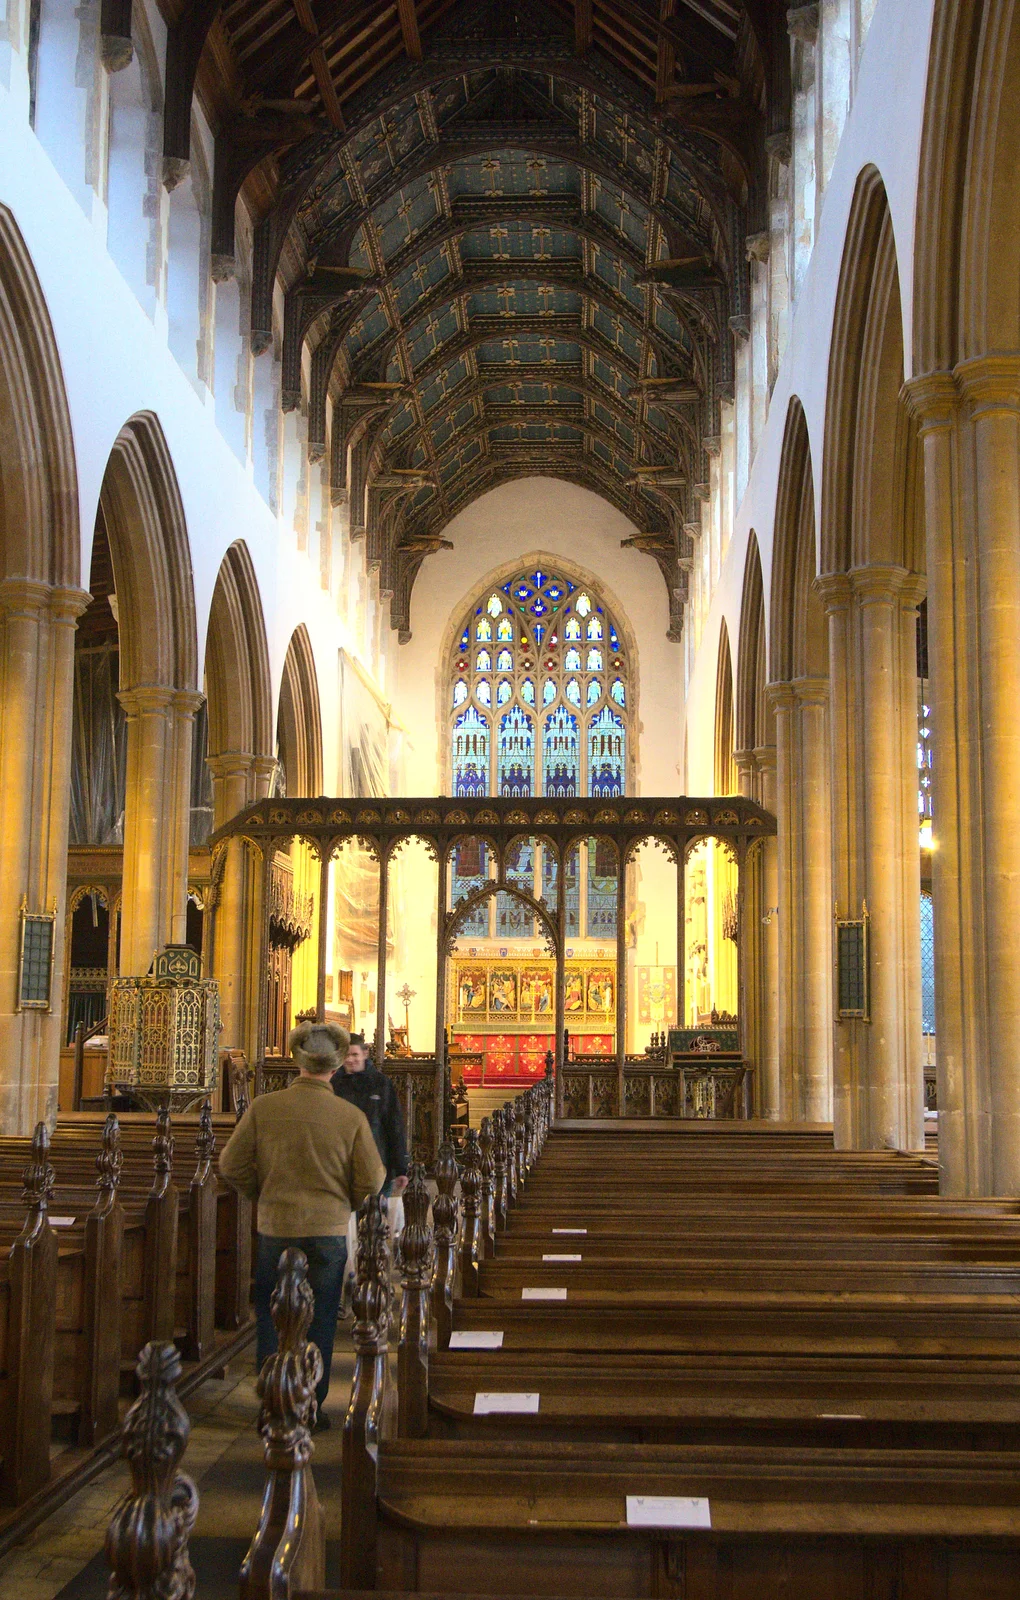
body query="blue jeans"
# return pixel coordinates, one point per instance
(327, 1258)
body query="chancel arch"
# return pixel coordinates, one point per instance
(965, 394)
(144, 522)
(798, 692)
(40, 598)
(872, 581)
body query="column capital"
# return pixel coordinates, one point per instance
(29, 597)
(780, 696)
(810, 691)
(933, 398)
(145, 699)
(230, 764)
(834, 589)
(879, 580)
(765, 757)
(990, 383)
(187, 701)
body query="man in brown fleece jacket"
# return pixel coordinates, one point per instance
(309, 1159)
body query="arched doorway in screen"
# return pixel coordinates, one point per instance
(539, 701)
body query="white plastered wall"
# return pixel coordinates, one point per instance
(883, 129)
(543, 517)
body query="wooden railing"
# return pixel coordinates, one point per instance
(700, 1090)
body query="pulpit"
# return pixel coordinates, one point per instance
(164, 1033)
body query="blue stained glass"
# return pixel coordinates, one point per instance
(618, 692)
(483, 692)
(516, 753)
(561, 753)
(594, 660)
(504, 691)
(594, 628)
(460, 692)
(469, 872)
(539, 578)
(464, 639)
(554, 592)
(537, 608)
(606, 752)
(539, 633)
(601, 890)
(613, 637)
(548, 692)
(572, 629)
(522, 592)
(528, 692)
(505, 661)
(471, 754)
(927, 966)
(573, 692)
(572, 661)
(594, 692)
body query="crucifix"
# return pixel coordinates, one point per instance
(405, 996)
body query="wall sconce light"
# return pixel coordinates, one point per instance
(770, 912)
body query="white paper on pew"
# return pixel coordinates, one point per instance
(561, 1258)
(476, 1339)
(667, 1511)
(841, 1416)
(543, 1294)
(62, 1222)
(570, 1230)
(486, 1404)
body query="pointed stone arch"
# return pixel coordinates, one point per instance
(40, 599)
(237, 686)
(797, 622)
(799, 695)
(725, 766)
(299, 719)
(754, 727)
(965, 392)
(873, 564)
(143, 517)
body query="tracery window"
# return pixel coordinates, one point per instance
(539, 698)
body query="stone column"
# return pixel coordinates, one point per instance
(768, 873)
(804, 899)
(156, 821)
(970, 430)
(878, 1088)
(234, 949)
(37, 625)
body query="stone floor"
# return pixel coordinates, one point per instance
(63, 1559)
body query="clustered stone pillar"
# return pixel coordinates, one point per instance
(970, 431)
(37, 625)
(239, 779)
(157, 816)
(878, 1083)
(804, 899)
(756, 770)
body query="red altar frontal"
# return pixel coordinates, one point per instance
(519, 1058)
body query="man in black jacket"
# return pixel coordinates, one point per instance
(361, 1085)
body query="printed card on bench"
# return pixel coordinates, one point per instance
(486, 1405)
(560, 1258)
(667, 1511)
(62, 1222)
(543, 1294)
(476, 1339)
(570, 1230)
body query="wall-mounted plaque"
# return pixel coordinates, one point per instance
(853, 999)
(35, 962)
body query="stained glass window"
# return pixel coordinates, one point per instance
(540, 640)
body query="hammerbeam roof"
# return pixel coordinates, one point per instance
(481, 211)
